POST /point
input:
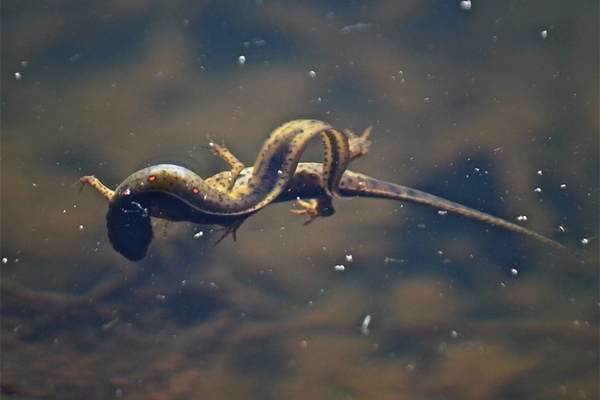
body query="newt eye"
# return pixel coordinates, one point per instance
(151, 178)
(195, 190)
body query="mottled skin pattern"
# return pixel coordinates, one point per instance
(175, 193)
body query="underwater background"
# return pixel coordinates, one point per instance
(491, 104)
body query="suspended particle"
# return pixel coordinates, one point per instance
(312, 74)
(364, 326)
(465, 5)
(241, 60)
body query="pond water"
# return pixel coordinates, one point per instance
(491, 104)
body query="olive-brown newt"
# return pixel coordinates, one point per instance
(175, 193)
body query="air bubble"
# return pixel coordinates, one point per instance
(585, 241)
(522, 218)
(339, 267)
(349, 258)
(312, 74)
(199, 235)
(514, 272)
(465, 5)
(538, 190)
(241, 60)
(544, 33)
(18, 75)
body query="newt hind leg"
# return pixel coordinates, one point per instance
(225, 180)
(359, 144)
(95, 183)
(314, 208)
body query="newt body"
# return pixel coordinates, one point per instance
(175, 193)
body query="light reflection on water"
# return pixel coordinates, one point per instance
(467, 104)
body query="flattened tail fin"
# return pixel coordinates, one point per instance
(356, 184)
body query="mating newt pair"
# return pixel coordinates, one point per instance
(175, 193)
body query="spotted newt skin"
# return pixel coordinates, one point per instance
(175, 193)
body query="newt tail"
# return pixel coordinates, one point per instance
(375, 188)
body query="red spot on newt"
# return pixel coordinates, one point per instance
(195, 190)
(151, 178)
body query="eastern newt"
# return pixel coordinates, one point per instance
(175, 193)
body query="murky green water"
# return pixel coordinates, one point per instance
(481, 106)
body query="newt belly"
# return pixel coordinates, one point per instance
(176, 193)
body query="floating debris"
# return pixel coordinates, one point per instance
(358, 27)
(563, 185)
(514, 271)
(4, 260)
(18, 75)
(349, 258)
(585, 241)
(538, 190)
(241, 60)
(339, 267)
(544, 33)
(453, 334)
(312, 74)
(364, 327)
(199, 235)
(522, 218)
(540, 172)
(109, 324)
(442, 212)
(561, 229)
(389, 260)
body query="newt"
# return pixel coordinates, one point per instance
(175, 193)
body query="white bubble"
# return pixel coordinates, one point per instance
(241, 60)
(544, 33)
(522, 218)
(453, 334)
(312, 74)
(563, 185)
(514, 271)
(540, 172)
(81, 227)
(465, 5)
(199, 235)
(4, 260)
(585, 241)
(349, 258)
(18, 75)
(442, 212)
(339, 267)
(538, 190)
